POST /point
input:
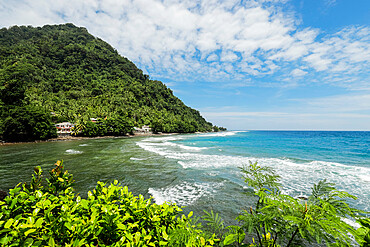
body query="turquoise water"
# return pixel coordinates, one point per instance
(201, 171)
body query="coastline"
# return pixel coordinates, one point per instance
(75, 138)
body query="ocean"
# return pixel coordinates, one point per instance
(202, 171)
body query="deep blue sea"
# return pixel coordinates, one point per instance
(202, 171)
(301, 158)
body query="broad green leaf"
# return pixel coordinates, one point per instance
(25, 226)
(39, 222)
(202, 241)
(190, 214)
(47, 203)
(29, 231)
(165, 236)
(121, 226)
(68, 225)
(137, 237)
(5, 240)
(231, 238)
(9, 223)
(36, 211)
(51, 242)
(28, 242)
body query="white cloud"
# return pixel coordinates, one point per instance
(213, 57)
(228, 56)
(190, 40)
(347, 50)
(318, 62)
(298, 72)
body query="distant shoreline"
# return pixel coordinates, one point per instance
(75, 138)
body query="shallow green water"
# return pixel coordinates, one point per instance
(89, 161)
(114, 159)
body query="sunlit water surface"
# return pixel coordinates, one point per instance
(202, 171)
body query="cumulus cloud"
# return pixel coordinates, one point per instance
(347, 50)
(298, 72)
(210, 40)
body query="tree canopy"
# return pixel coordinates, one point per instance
(65, 70)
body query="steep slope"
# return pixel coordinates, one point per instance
(65, 70)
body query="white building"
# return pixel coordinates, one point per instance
(64, 128)
(143, 129)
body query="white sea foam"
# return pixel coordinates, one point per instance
(365, 178)
(72, 151)
(213, 173)
(168, 149)
(133, 158)
(183, 194)
(227, 133)
(352, 223)
(179, 152)
(296, 177)
(163, 138)
(191, 148)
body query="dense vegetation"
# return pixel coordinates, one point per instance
(47, 212)
(279, 219)
(65, 70)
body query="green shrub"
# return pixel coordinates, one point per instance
(27, 123)
(281, 220)
(47, 212)
(364, 231)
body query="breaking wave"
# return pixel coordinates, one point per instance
(297, 176)
(183, 194)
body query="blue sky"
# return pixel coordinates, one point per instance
(261, 64)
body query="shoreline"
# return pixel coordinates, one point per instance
(75, 138)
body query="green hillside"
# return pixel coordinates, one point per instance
(65, 70)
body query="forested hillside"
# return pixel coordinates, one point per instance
(64, 70)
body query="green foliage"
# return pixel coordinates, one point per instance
(65, 70)
(364, 231)
(215, 223)
(48, 213)
(14, 79)
(217, 128)
(260, 178)
(235, 235)
(116, 126)
(279, 219)
(27, 123)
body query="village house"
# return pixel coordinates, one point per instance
(143, 129)
(64, 128)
